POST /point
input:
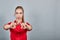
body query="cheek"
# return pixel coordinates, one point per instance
(18, 15)
(21, 15)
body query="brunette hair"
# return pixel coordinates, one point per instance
(20, 7)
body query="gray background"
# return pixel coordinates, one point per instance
(43, 15)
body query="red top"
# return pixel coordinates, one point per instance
(18, 33)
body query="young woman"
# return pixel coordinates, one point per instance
(18, 28)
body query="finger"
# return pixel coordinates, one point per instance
(25, 27)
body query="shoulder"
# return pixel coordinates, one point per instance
(28, 23)
(9, 23)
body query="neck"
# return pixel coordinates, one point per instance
(18, 20)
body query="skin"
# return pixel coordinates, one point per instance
(18, 14)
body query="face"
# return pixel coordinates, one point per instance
(19, 13)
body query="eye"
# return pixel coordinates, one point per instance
(16, 13)
(21, 13)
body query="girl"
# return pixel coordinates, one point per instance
(18, 28)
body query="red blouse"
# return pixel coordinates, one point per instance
(18, 33)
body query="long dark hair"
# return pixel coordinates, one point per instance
(22, 10)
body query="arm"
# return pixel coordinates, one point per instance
(7, 26)
(10, 25)
(27, 26)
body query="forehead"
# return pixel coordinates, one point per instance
(19, 10)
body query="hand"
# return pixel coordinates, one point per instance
(27, 26)
(23, 26)
(13, 25)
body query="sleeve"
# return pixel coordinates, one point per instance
(9, 23)
(28, 23)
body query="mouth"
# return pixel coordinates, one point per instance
(18, 17)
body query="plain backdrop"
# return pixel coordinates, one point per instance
(43, 15)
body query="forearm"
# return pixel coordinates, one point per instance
(29, 27)
(6, 27)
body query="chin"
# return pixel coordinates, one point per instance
(19, 18)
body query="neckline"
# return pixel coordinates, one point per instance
(16, 21)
